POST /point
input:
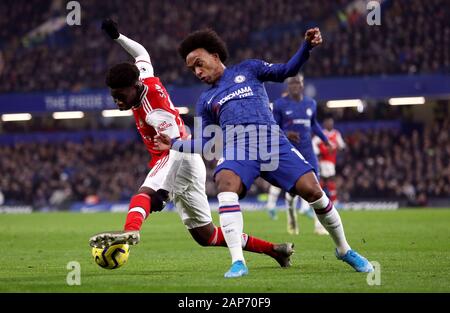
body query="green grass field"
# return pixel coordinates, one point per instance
(412, 246)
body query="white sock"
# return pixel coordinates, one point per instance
(272, 198)
(304, 206)
(330, 219)
(291, 201)
(232, 223)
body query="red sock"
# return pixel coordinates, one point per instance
(138, 211)
(259, 246)
(253, 244)
(217, 238)
(332, 190)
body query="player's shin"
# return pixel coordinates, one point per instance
(232, 224)
(292, 222)
(332, 190)
(249, 243)
(138, 211)
(272, 198)
(330, 219)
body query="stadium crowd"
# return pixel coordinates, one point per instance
(411, 166)
(414, 166)
(62, 57)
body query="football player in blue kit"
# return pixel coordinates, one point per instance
(253, 144)
(297, 116)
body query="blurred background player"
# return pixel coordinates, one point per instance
(297, 117)
(237, 98)
(180, 175)
(327, 157)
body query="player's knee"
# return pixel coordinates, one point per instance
(227, 181)
(311, 192)
(201, 236)
(202, 242)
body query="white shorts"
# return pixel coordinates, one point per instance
(327, 169)
(184, 176)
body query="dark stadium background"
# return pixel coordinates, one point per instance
(397, 156)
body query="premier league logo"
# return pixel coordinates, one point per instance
(308, 112)
(239, 79)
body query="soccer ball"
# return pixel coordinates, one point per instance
(111, 257)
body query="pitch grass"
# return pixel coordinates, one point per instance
(412, 246)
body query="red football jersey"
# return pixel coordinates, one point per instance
(155, 114)
(337, 143)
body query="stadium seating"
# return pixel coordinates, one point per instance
(411, 165)
(252, 29)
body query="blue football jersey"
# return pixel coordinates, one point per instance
(300, 117)
(240, 98)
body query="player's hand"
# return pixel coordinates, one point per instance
(162, 142)
(313, 36)
(159, 200)
(293, 136)
(110, 28)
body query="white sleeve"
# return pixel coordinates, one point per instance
(140, 55)
(163, 122)
(340, 141)
(315, 143)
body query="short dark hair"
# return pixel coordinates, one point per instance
(122, 75)
(206, 39)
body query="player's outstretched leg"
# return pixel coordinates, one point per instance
(210, 235)
(292, 220)
(308, 188)
(232, 223)
(272, 198)
(318, 227)
(231, 220)
(139, 209)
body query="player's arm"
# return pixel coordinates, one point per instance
(317, 129)
(277, 113)
(340, 141)
(279, 72)
(164, 142)
(316, 145)
(135, 49)
(163, 122)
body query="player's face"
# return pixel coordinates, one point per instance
(328, 123)
(295, 86)
(124, 98)
(206, 66)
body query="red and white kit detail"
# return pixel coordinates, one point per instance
(327, 158)
(183, 175)
(155, 114)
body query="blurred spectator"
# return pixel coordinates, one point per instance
(411, 166)
(413, 38)
(396, 165)
(53, 174)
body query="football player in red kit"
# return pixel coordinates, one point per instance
(177, 176)
(327, 157)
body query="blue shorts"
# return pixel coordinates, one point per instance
(281, 167)
(311, 158)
